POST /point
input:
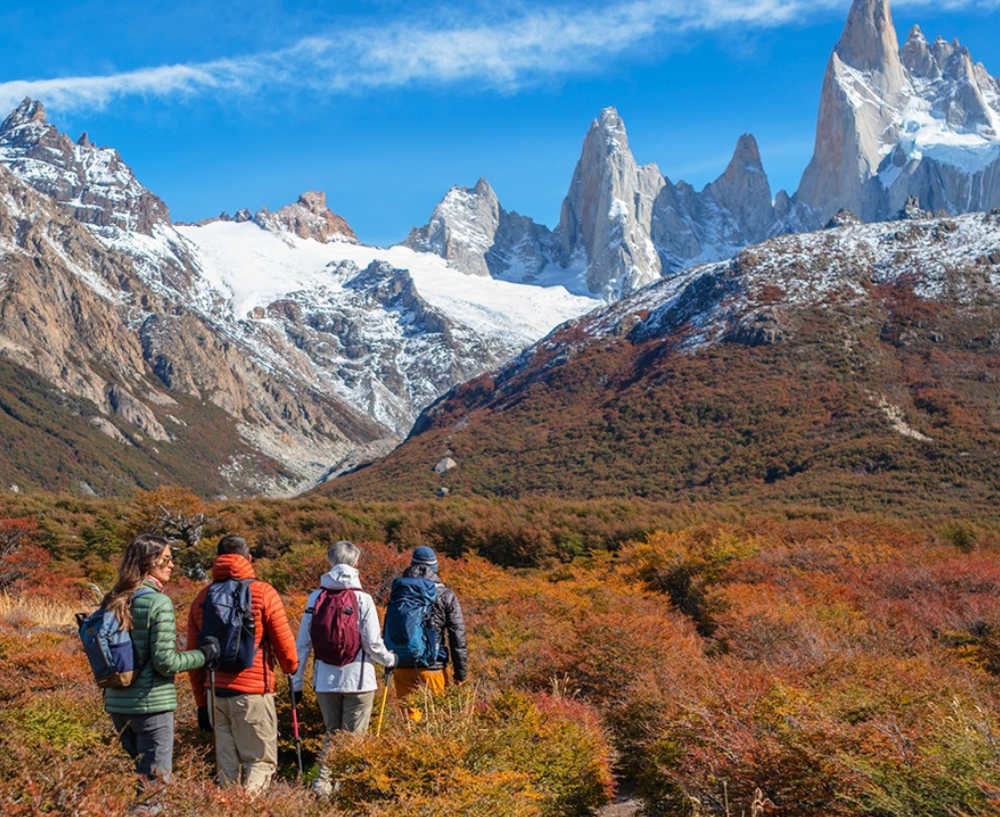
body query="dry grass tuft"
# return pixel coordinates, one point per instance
(25, 610)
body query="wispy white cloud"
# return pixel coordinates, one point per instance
(503, 53)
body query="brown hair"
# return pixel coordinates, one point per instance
(140, 557)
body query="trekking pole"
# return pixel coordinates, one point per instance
(385, 695)
(215, 731)
(295, 729)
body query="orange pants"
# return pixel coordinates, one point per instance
(410, 682)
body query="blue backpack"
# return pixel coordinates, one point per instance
(408, 630)
(228, 616)
(108, 647)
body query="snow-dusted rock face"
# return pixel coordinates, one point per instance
(319, 350)
(621, 227)
(101, 192)
(607, 214)
(94, 182)
(476, 235)
(922, 122)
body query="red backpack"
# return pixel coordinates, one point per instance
(336, 636)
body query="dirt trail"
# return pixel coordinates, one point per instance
(628, 807)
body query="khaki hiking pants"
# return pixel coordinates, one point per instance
(246, 733)
(341, 711)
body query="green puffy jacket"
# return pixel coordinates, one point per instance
(154, 635)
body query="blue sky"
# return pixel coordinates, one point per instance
(386, 104)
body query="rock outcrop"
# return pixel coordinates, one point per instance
(476, 235)
(309, 217)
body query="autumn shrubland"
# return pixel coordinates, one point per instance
(841, 664)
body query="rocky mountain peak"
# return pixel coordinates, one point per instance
(308, 217)
(744, 191)
(29, 112)
(892, 125)
(747, 153)
(476, 235)
(916, 55)
(94, 183)
(611, 129)
(868, 42)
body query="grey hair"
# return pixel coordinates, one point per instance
(343, 553)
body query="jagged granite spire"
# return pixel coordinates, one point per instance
(889, 123)
(863, 89)
(868, 42)
(743, 190)
(30, 111)
(607, 213)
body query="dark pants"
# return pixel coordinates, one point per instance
(149, 739)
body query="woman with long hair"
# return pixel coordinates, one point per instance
(143, 713)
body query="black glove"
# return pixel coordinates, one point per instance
(204, 722)
(212, 652)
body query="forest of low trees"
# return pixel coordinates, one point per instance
(710, 660)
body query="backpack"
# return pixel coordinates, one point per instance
(334, 630)
(228, 615)
(408, 629)
(109, 647)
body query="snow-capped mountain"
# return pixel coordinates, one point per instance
(919, 124)
(622, 225)
(854, 366)
(319, 350)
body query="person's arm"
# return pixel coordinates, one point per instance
(276, 629)
(167, 660)
(455, 624)
(303, 644)
(371, 632)
(197, 676)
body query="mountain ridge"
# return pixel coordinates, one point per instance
(918, 123)
(855, 366)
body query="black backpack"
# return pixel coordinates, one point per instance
(228, 616)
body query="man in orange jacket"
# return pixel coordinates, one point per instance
(244, 715)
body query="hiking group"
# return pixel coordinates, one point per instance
(241, 630)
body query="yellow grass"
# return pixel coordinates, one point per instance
(43, 613)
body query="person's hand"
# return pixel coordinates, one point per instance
(204, 722)
(212, 651)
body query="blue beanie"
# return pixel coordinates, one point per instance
(424, 555)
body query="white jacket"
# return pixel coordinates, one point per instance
(359, 675)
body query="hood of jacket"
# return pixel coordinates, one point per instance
(232, 566)
(341, 577)
(419, 571)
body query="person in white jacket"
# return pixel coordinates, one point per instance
(345, 694)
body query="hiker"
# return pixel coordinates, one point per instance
(143, 712)
(445, 617)
(243, 713)
(341, 628)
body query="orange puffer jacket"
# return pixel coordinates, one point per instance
(274, 639)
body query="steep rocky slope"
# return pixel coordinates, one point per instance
(316, 351)
(855, 366)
